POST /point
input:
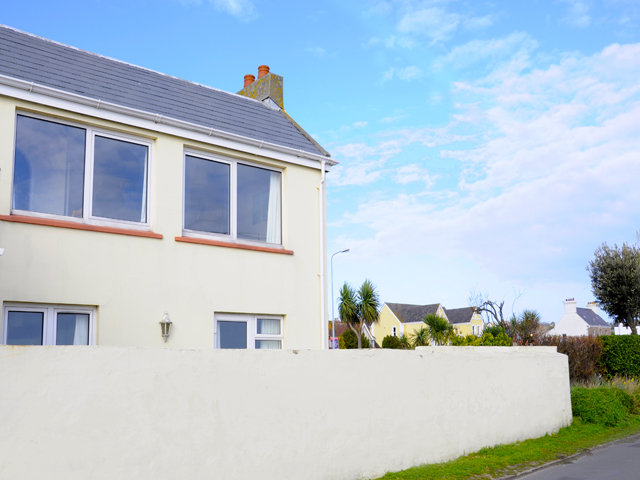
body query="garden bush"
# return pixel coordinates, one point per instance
(604, 405)
(391, 342)
(621, 355)
(348, 340)
(584, 354)
(487, 340)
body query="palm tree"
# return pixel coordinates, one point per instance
(440, 330)
(358, 308)
(421, 338)
(405, 343)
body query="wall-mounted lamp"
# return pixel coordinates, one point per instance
(165, 325)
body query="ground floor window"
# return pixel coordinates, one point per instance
(33, 324)
(248, 331)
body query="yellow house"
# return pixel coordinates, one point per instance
(129, 198)
(465, 321)
(397, 319)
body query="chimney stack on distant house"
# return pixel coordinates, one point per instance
(267, 88)
(593, 306)
(570, 305)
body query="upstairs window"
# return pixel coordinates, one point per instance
(29, 324)
(79, 172)
(231, 199)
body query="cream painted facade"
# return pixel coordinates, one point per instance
(131, 281)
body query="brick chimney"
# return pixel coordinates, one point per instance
(267, 88)
(570, 305)
(593, 306)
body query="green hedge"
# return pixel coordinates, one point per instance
(604, 405)
(391, 342)
(487, 340)
(621, 355)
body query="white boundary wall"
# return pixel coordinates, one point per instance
(142, 413)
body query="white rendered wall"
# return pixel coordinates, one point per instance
(572, 325)
(145, 413)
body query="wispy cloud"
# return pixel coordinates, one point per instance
(578, 15)
(317, 51)
(553, 166)
(241, 9)
(406, 73)
(492, 50)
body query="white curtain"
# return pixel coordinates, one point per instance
(273, 214)
(268, 344)
(268, 326)
(81, 335)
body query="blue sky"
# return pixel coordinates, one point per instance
(487, 146)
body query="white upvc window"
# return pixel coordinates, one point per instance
(248, 331)
(69, 171)
(231, 200)
(394, 331)
(34, 324)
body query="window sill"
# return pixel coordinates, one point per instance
(241, 246)
(48, 222)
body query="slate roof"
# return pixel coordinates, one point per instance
(412, 313)
(44, 62)
(592, 318)
(459, 315)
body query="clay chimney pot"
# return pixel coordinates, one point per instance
(262, 70)
(249, 79)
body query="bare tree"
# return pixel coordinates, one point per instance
(492, 311)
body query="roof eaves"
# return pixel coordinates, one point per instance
(33, 87)
(303, 132)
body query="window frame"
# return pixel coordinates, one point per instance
(50, 319)
(252, 328)
(233, 163)
(87, 197)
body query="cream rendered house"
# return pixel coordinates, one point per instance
(578, 321)
(126, 193)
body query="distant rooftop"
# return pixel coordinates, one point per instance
(591, 317)
(412, 313)
(44, 62)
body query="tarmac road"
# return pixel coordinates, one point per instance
(616, 462)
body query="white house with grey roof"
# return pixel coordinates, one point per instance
(578, 321)
(129, 198)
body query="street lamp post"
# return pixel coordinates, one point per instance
(333, 303)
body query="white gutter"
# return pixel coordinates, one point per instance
(157, 118)
(323, 320)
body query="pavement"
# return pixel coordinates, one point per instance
(619, 461)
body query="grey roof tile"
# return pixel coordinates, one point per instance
(460, 315)
(592, 318)
(407, 313)
(34, 59)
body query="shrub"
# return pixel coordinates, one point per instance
(621, 355)
(348, 340)
(584, 354)
(487, 340)
(601, 405)
(391, 342)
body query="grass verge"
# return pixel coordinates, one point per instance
(504, 460)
